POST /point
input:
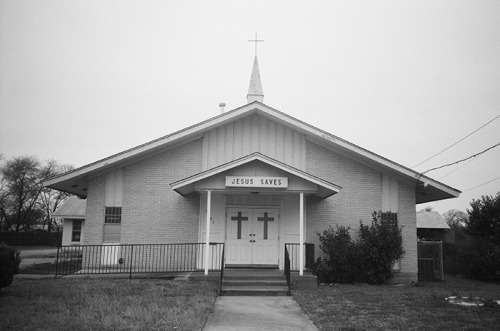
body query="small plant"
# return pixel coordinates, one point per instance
(9, 264)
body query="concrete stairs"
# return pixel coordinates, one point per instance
(254, 282)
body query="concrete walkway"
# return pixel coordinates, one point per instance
(33, 255)
(258, 313)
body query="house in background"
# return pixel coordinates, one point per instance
(72, 214)
(432, 226)
(253, 178)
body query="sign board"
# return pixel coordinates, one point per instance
(256, 181)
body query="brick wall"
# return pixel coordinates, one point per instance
(407, 217)
(359, 197)
(94, 217)
(152, 212)
(361, 194)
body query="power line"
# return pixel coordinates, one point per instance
(467, 158)
(447, 148)
(463, 165)
(475, 187)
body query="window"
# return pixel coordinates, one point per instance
(112, 224)
(77, 231)
(393, 219)
(113, 215)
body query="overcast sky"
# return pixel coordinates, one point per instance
(81, 80)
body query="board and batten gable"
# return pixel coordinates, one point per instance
(250, 134)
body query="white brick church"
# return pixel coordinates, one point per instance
(253, 178)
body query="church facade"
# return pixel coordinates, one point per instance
(253, 178)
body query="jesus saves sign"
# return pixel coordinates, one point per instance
(256, 181)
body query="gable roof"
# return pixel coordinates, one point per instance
(324, 188)
(430, 220)
(74, 207)
(76, 181)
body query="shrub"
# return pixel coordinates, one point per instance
(368, 260)
(472, 258)
(338, 246)
(9, 264)
(380, 245)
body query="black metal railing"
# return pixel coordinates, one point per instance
(287, 267)
(222, 262)
(294, 255)
(137, 258)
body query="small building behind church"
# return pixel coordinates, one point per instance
(253, 178)
(72, 214)
(431, 226)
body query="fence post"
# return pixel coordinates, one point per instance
(442, 261)
(131, 260)
(57, 260)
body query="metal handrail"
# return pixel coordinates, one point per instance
(293, 253)
(287, 267)
(221, 269)
(137, 258)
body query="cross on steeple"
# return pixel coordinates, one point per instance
(256, 41)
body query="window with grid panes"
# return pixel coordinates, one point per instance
(112, 224)
(77, 231)
(113, 215)
(393, 219)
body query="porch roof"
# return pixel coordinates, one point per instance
(323, 188)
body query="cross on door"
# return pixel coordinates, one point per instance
(239, 218)
(265, 219)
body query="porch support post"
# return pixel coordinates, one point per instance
(207, 231)
(301, 236)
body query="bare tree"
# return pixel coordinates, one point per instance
(21, 190)
(51, 199)
(456, 218)
(426, 209)
(23, 199)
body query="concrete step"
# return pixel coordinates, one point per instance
(254, 282)
(255, 291)
(254, 278)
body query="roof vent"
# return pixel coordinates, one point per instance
(222, 105)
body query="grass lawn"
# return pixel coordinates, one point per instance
(106, 304)
(423, 307)
(39, 268)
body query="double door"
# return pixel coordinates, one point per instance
(252, 236)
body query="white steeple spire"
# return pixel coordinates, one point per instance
(255, 92)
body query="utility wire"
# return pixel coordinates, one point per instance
(447, 148)
(463, 165)
(456, 162)
(475, 187)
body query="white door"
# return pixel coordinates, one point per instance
(239, 236)
(252, 236)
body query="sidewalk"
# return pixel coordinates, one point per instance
(258, 313)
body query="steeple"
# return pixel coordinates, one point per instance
(255, 92)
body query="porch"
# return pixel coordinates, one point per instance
(172, 260)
